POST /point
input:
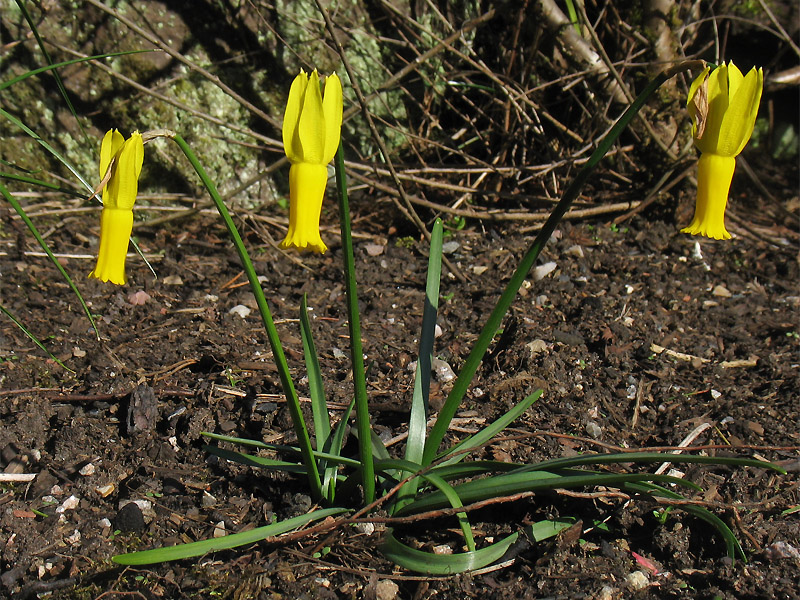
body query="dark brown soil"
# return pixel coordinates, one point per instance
(723, 313)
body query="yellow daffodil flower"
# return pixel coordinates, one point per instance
(311, 129)
(723, 106)
(119, 195)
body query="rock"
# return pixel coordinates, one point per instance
(386, 589)
(129, 518)
(721, 291)
(450, 247)
(542, 271)
(241, 310)
(637, 580)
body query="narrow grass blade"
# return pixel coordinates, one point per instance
(32, 337)
(418, 420)
(732, 545)
(647, 457)
(336, 443)
(354, 322)
(515, 482)
(35, 232)
(292, 400)
(33, 72)
(443, 564)
(159, 555)
(487, 433)
(455, 502)
(256, 461)
(41, 183)
(542, 530)
(495, 319)
(417, 423)
(316, 390)
(337, 458)
(47, 147)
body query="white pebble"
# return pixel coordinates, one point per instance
(241, 310)
(542, 271)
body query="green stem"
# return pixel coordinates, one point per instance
(356, 353)
(293, 402)
(475, 357)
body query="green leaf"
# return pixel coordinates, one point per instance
(159, 555)
(354, 325)
(443, 564)
(542, 530)
(292, 400)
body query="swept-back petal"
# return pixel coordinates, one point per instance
(699, 80)
(291, 116)
(740, 118)
(124, 183)
(112, 142)
(332, 110)
(717, 105)
(311, 126)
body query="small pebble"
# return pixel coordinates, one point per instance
(450, 247)
(576, 251)
(241, 310)
(87, 470)
(374, 249)
(542, 271)
(594, 430)
(70, 503)
(219, 530)
(721, 291)
(386, 589)
(637, 580)
(537, 346)
(443, 371)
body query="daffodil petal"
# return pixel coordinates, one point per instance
(112, 142)
(311, 125)
(332, 111)
(740, 118)
(115, 231)
(292, 115)
(124, 183)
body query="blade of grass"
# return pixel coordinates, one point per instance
(516, 482)
(647, 457)
(47, 147)
(418, 419)
(354, 323)
(443, 564)
(733, 547)
(33, 72)
(35, 232)
(33, 338)
(495, 319)
(316, 389)
(159, 555)
(488, 432)
(336, 443)
(41, 183)
(292, 400)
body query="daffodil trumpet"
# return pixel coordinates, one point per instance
(311, 130)
(124, 158)
(723, 105)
